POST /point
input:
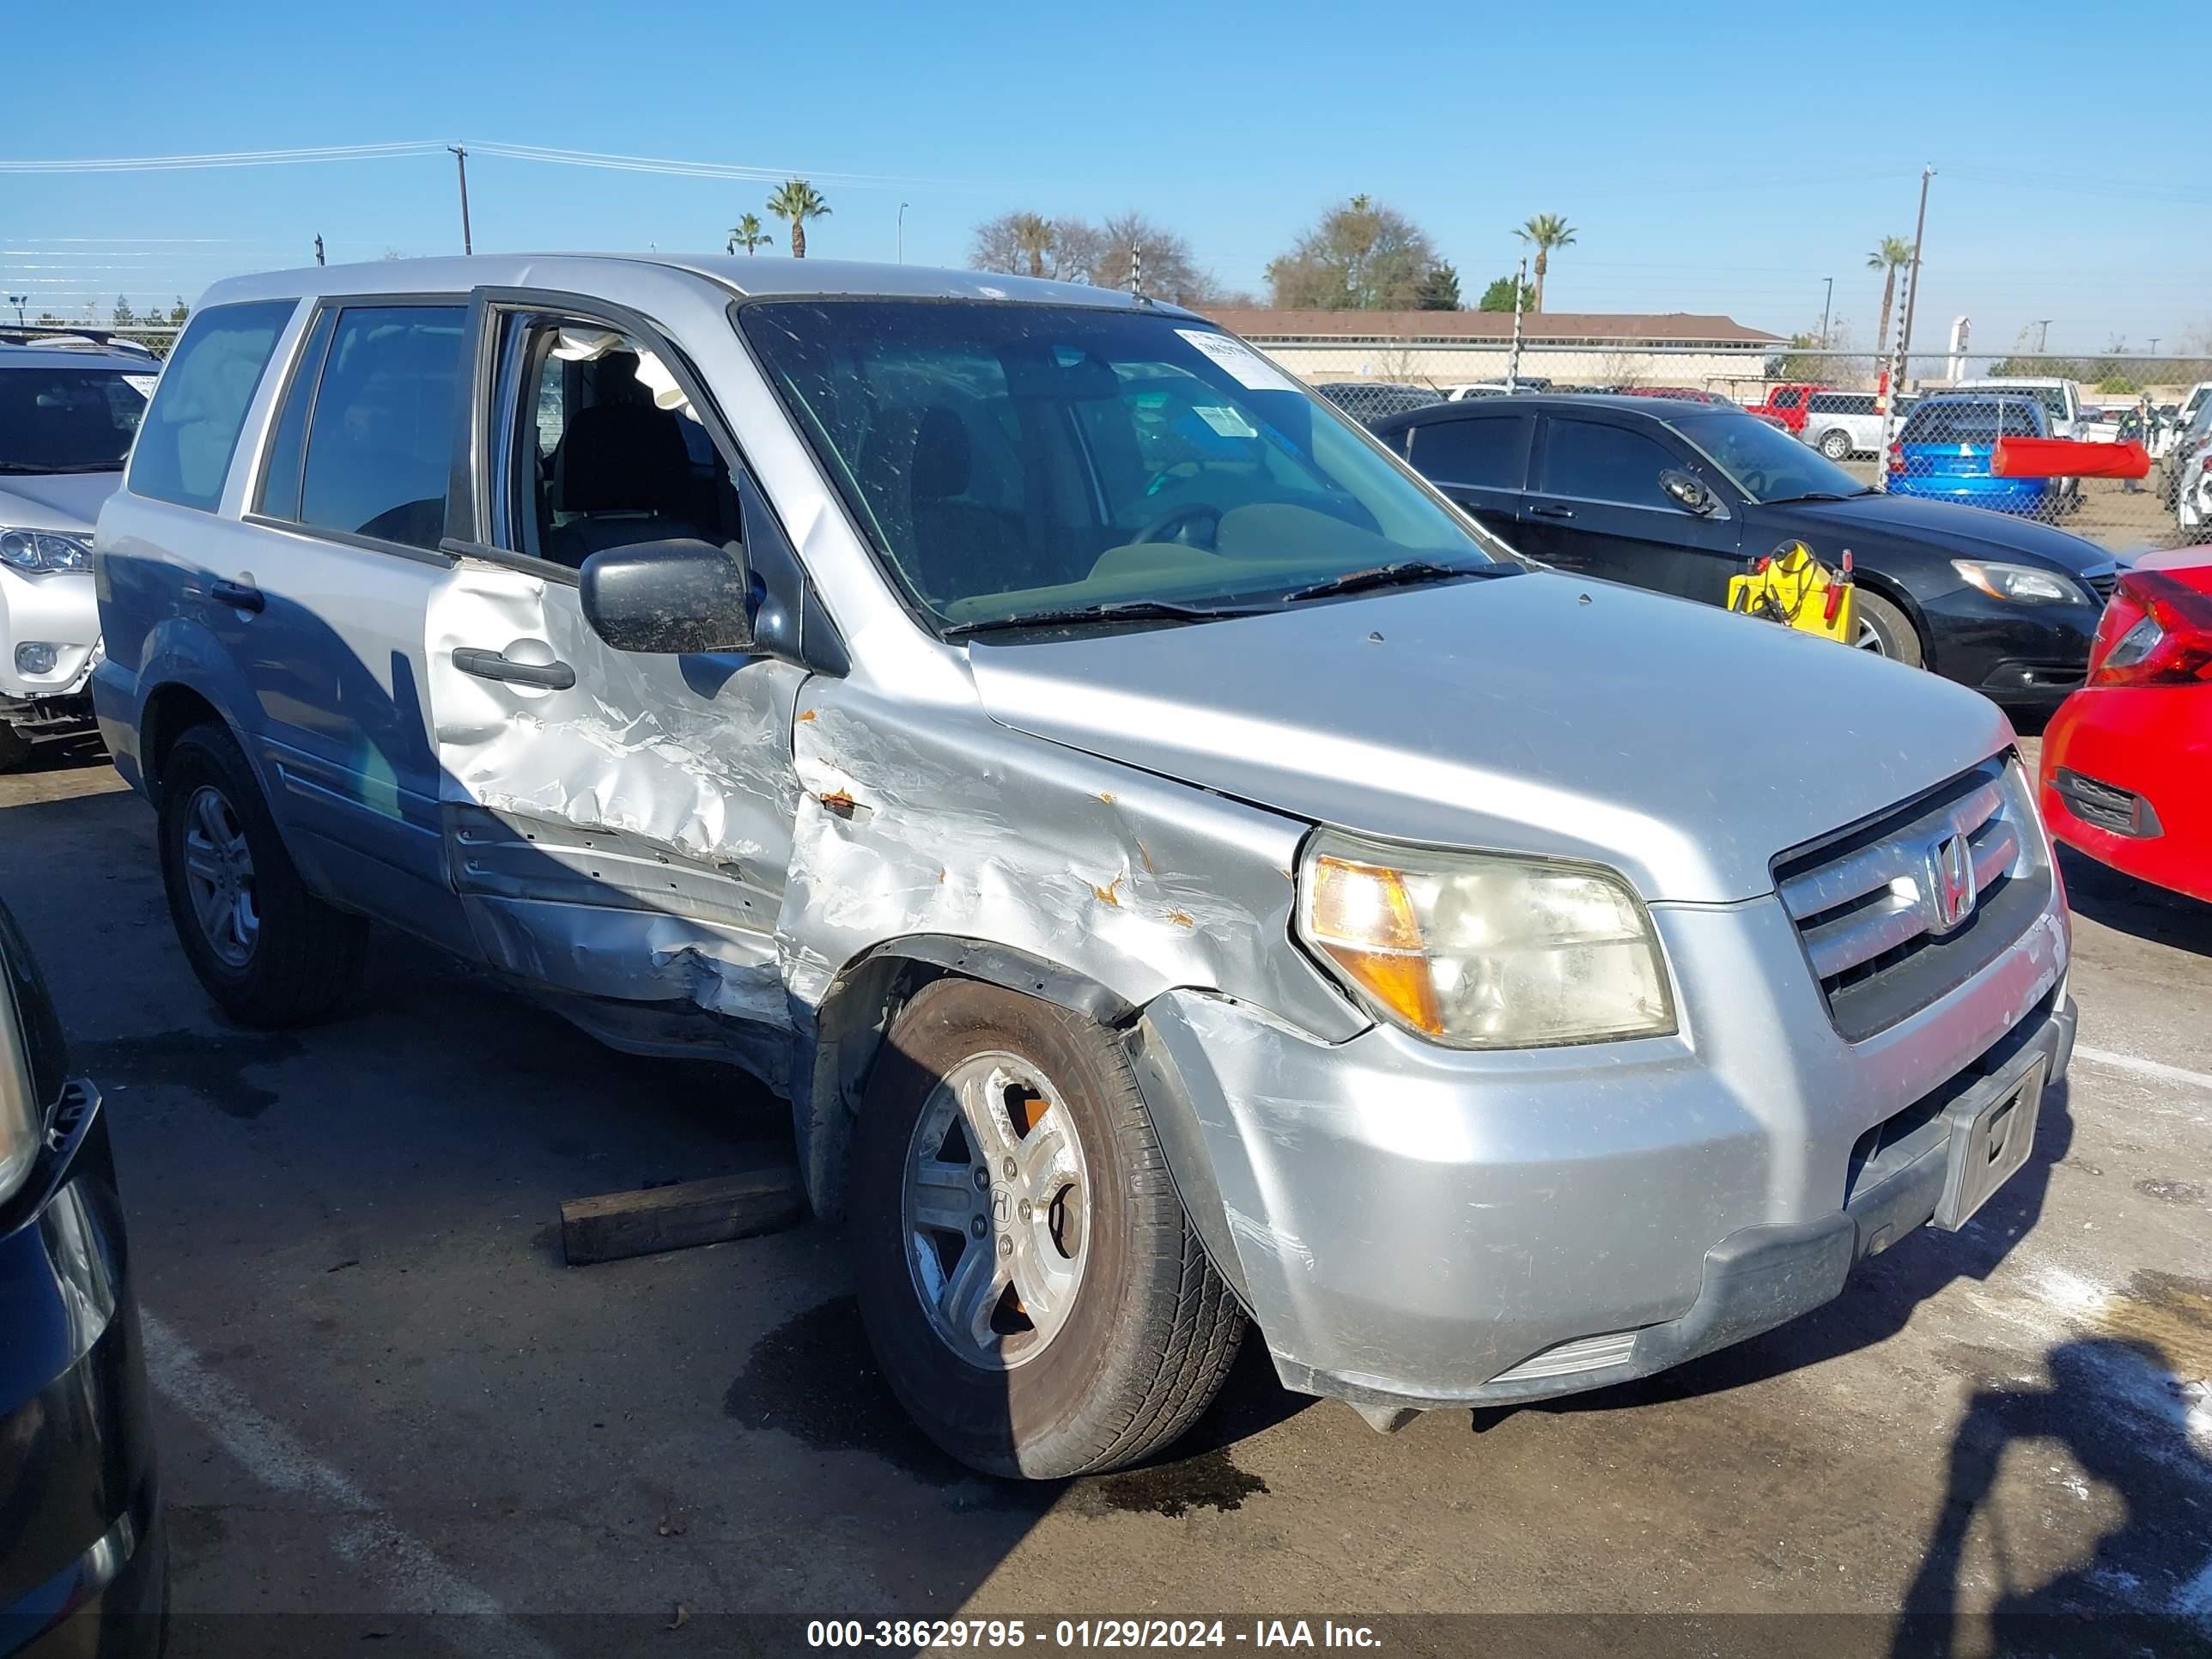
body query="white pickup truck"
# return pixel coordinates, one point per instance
(1841, 424)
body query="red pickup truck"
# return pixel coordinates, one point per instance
(1786, 403)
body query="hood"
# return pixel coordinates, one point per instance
(1947, 526)
(68, 502)
(1681, 745)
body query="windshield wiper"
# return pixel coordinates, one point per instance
(1818, 495)
(1113, 611)
(1403, 574)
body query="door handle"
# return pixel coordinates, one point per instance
(498, 666)
(239, 596)
(1546, 511)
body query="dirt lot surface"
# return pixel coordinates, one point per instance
(382, 1397)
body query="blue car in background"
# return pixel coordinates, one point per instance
(1943, 452)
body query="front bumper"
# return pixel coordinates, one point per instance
(56, 607)
(2022, 655)
(80, 1550)
(2152, 742)
(1411, 1226)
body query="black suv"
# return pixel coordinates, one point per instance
(1679, 498)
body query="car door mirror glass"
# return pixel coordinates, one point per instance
(1688, 492)
(668, 597)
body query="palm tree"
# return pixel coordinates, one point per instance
(747, 234)
(1888, 255)
(1033, 235)
(798, 200)
(1546, 231)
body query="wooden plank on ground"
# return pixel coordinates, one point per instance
(614, 1226)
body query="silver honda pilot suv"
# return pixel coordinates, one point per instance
(1182, 871)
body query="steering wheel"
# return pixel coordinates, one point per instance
(1177, 519)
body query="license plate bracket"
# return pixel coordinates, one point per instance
(1989, 1141)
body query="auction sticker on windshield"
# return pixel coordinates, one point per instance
(1248, 366)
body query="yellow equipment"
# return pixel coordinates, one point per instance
(1792, 586)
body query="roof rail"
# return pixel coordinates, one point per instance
(103, 339)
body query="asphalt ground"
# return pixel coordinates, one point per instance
(392, 1421)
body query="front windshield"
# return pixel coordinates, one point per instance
(70, 419)
(1764, 462)
(1015, 461)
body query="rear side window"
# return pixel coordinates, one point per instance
(1969, 423)
(1596, 462)
(191, 432)
(380, 435)
(1488, 452)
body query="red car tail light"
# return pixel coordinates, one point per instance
(2156, 630)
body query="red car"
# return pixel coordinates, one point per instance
(2127, 760)
(1786, 405)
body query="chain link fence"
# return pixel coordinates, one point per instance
(1960, 429)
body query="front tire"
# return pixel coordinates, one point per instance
(1884, 630)
(15, 749)
(1033, 1290)
(1836, 445)
(268, 951)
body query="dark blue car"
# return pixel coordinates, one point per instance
(1944, 452)
(81, 1567)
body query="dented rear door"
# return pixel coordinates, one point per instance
(618, 824)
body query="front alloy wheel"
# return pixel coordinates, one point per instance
(996, 1196)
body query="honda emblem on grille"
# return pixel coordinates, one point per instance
(1950, 883)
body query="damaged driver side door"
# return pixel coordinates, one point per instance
(618, 824)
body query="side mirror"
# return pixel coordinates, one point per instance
(1689, 492)
(668, 597)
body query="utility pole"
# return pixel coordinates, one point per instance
(318, 250)
(1825, 305)
(2043, 339)
(18, 300)
(1513, 361)
(461, 161)
(901, 231)
(2154, 345)
(1912, 294)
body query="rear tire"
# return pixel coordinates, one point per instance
(15, 749)
(1134, 1332)
(1836, 445)
(268, 951)
(1887, 631)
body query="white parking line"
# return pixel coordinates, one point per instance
(2158, 1069)
(414, 1580)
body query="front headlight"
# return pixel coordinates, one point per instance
(1482, 951)
(43, 549)
(2022, 582)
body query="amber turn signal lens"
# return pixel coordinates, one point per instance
(1363, 917)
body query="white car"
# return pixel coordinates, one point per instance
(2061, 399)
(1841, 424)
(1454, 394)
(69, 409)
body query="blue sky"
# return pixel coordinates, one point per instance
(1715, 158)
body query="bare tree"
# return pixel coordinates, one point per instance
(1024, 244)
(1169, 270)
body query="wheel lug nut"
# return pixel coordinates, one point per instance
(1011, 1169)
(1025, 1209)
(978, 1227)
(1005, 1245)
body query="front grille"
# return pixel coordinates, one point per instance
(2102, 582)
(1861, 898)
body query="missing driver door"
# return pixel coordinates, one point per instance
(617, 824)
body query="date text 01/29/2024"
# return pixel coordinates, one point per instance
(942, 1634)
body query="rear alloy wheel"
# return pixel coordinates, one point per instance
(265, 948)
(1836, 445)
(1034, 1293)
(1884, 630)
